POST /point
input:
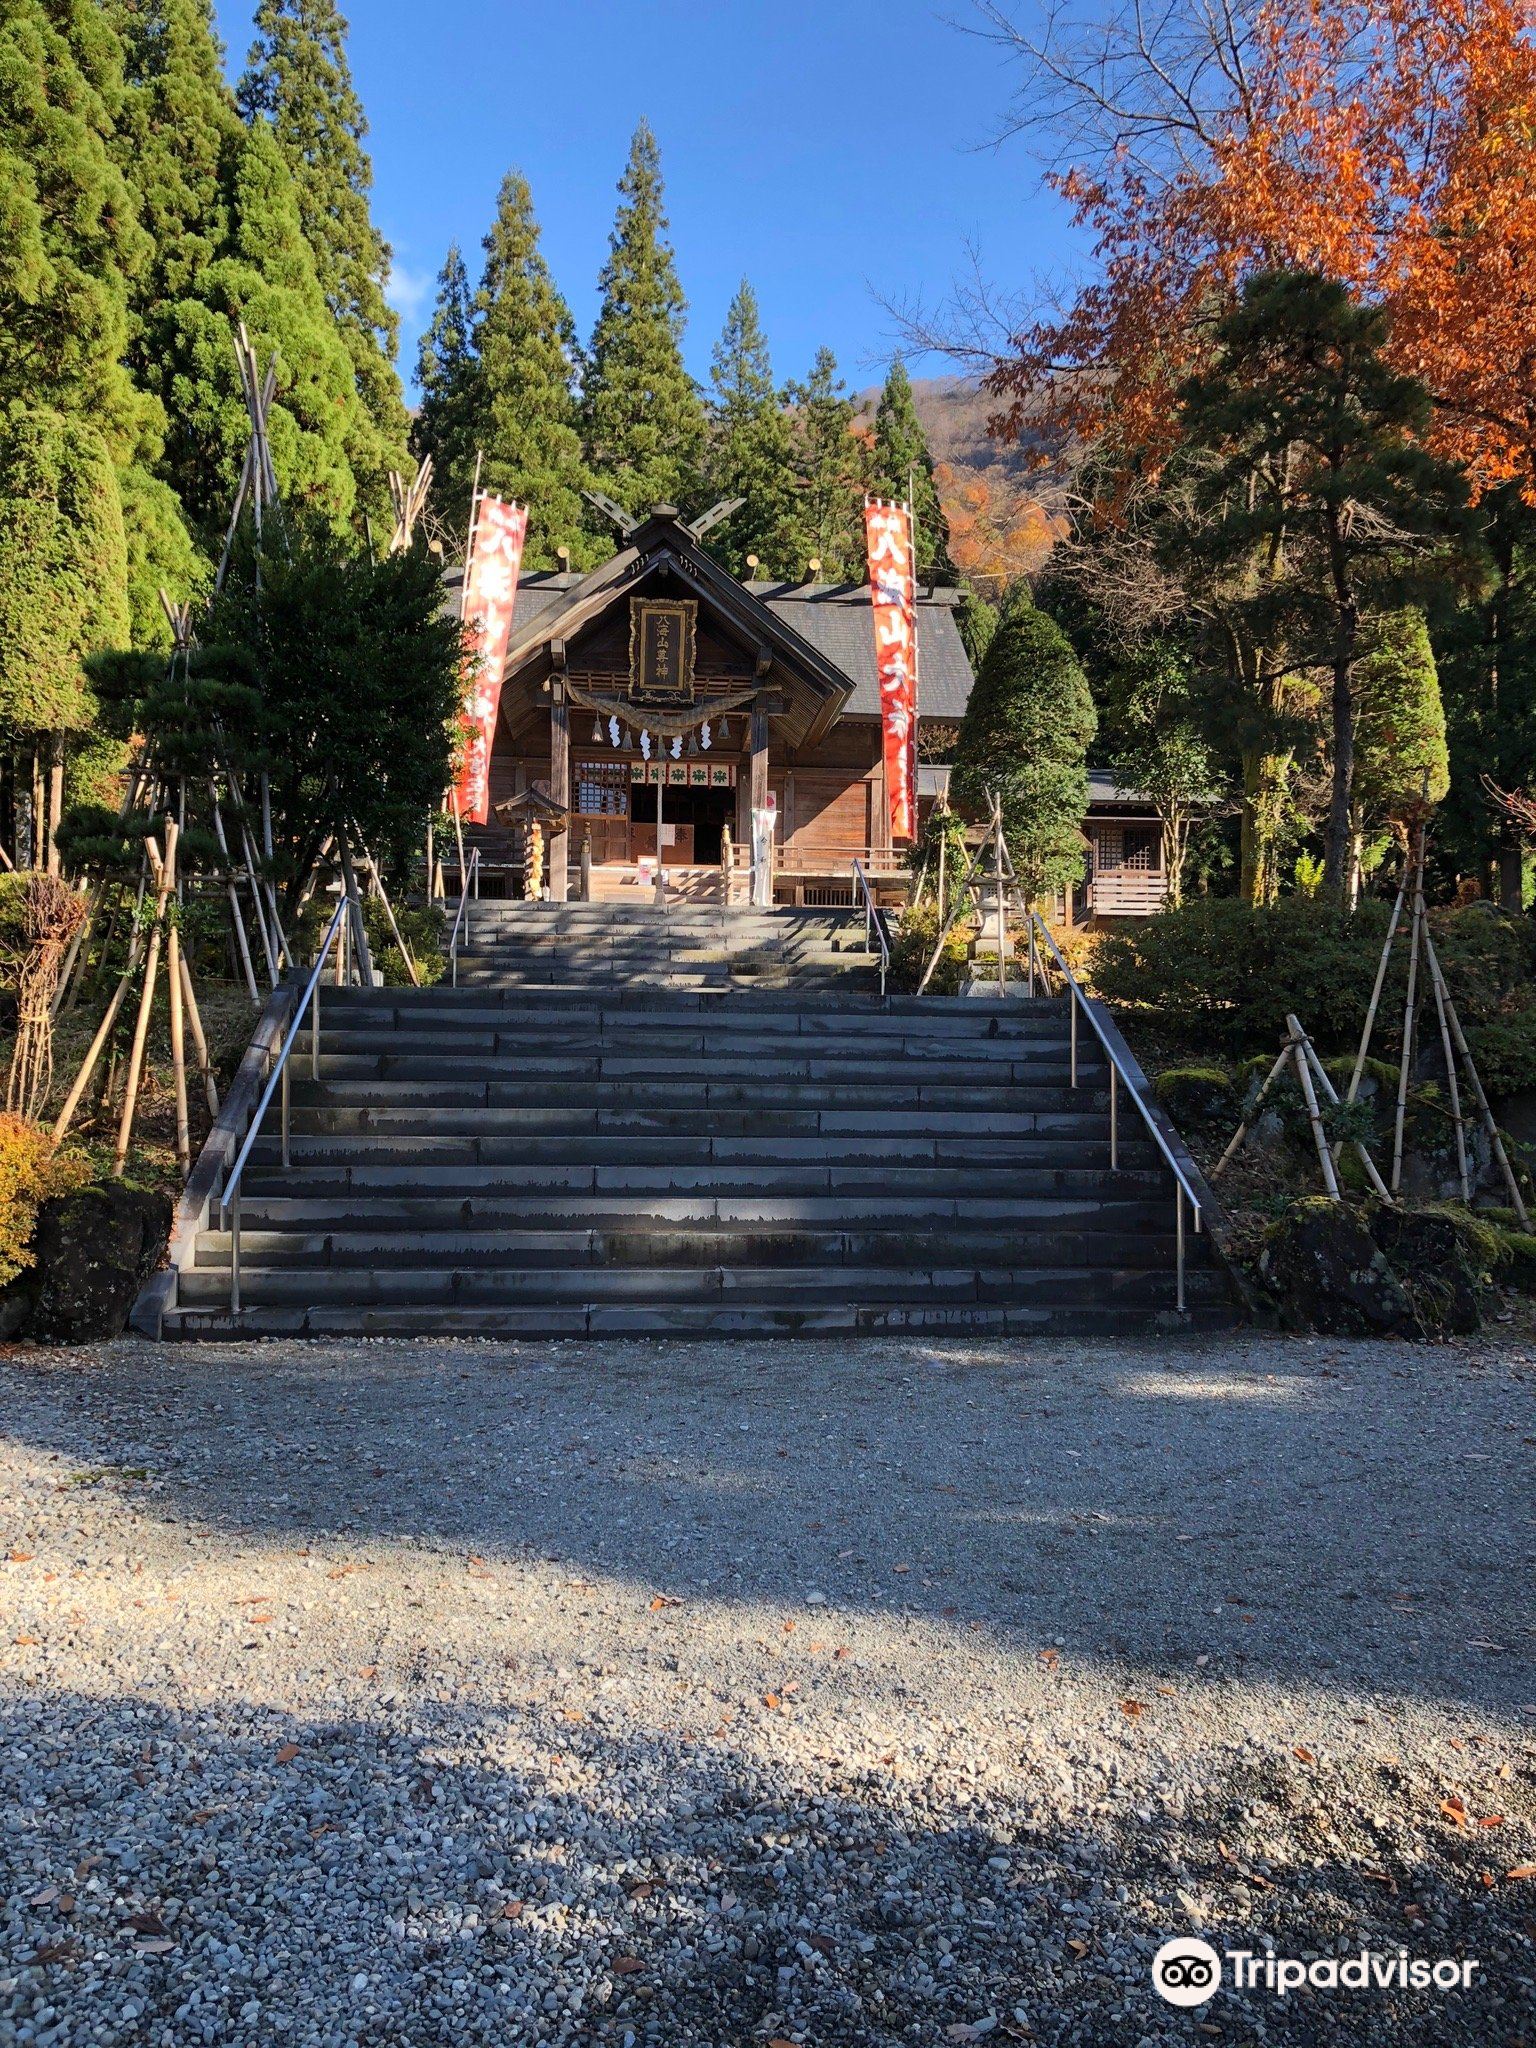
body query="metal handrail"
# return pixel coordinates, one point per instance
(229, 1194)
(461, 915)
(1184, 1189)
(873, 921)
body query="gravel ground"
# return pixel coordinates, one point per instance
(654, 1694)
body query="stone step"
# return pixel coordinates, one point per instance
(765, 1096)
(388, 1120)
(1142, 1204)
(718, 1178)
(364, 1152)
(695, 1041)
(455, 1010)
(695, 1321)
(966, 1012)
(1057, 1286)
(1097, 1241)
(682, 1076)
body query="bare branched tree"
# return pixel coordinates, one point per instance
(1152, 85)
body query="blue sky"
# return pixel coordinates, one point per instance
(836, 154)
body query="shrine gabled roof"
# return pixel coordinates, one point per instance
(823, 631)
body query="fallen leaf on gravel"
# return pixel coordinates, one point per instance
(1078, 1946)
(55, 1952)
(26, 1642)
(512, 1910)
(1455, 1811)
(1131, 1708)
(823, 1944)
(643, 1889)
(625, 1966)
(1522, 1870)
(45, 1897)
(841, 1651)
(21, 1557)
(1167, 1692)
(369, 1671)
(147, 1923)
(778, 2041)
(664, 1600)
(1491, 1820)
(771, 1699)
(1050, 1659)
(287, 1753)
(1303, 1755)
(572, 1714)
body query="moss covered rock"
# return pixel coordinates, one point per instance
(1326, 1272)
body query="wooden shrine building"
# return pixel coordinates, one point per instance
(659, 673)
(659, 667)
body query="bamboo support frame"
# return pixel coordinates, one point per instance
(1300, 1046)
(165, 871)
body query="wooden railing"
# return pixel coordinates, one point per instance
(1127, 892)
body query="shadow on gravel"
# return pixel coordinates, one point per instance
(1332, 1515)
(355, 1888)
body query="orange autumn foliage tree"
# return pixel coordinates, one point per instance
(1389, 144)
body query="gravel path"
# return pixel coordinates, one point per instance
(639, 1693)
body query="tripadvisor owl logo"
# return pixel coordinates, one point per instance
(1186, 1971)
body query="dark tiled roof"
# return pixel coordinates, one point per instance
(1103, 789)
(835, 618)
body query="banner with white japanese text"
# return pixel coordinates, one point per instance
(490, 592)
(893, 595)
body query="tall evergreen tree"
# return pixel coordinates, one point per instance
(1312, 437)
(297, 78)
(523, 407)
(178, 131)
(831, 472)
(68, 413)
(902, 467)
(71, 239)
(230, 247)
(445, 375)
(751, 455)
(644, 419)
(1026, 734)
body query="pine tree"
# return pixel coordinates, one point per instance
(831, 472)
(751, 456)
(1314, 446)
(903, 468)
(1026, 734)
(298, 79)
(445, 374)
(523, 408)
(645, 425)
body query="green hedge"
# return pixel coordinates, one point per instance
(1225, 974)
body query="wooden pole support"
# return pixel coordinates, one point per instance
(164, 870)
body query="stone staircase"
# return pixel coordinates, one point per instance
(698, 946)
(593, 1134)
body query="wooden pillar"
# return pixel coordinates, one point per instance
(762, 886)
(559, 786)
(879, 815)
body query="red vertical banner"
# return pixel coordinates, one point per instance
(893, 595)
(490, 591)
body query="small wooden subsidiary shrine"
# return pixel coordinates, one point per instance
(660, 668)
